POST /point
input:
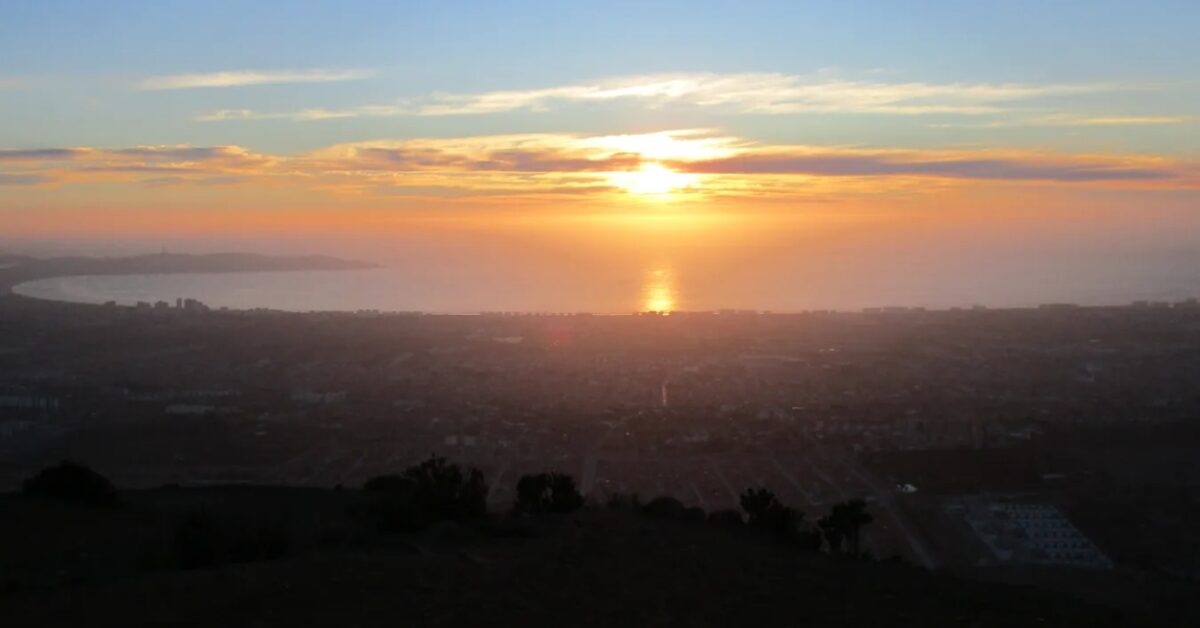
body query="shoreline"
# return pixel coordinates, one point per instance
(9, 288)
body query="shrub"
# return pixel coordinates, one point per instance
(766, 513)
(447, 491)
(72, 482)
(760, 506)
(547, 493)
(426, 493)
(843, 525)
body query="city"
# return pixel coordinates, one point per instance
(1080, 412)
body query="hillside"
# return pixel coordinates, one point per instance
(72, 565)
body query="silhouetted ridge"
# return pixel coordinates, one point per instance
(321, 557)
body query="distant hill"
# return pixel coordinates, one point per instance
(305, 563)
(15, 269)
(206, 263)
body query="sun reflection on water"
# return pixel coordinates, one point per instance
(658, 291)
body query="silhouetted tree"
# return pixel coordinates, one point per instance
(447, 491)
(425, 493)
(845, 522)
(832, 532)
(564, 497)
(73, 482)
(759, 504)
(765, 512)
(547, 492)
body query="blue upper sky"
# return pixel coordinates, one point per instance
(70, 70)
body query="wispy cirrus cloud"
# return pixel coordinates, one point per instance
(557, 163)
(1076, 120)
(240, 78)
(308, 115)
(757, 93)
(1072, 120)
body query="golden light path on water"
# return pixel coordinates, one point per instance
(658, 291)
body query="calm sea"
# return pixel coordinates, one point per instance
(572, 289)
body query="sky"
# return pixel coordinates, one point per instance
(918, 125)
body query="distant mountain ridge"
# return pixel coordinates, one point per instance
(16, 269)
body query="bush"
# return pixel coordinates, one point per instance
(447, 491)
(72, 482)
(761, 506)
(547, 493)
(843, 525)
(424, 494)
(766, 513)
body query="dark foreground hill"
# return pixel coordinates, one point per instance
(244, 556)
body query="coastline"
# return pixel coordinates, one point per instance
(19, 270)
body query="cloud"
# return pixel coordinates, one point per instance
(22, 179)
(1069, 120)
(205, 181)
(758, 93)
(239, 78)
(40, 154)
(153, 165)
(982, 165)
(307, 115)
(543, 164)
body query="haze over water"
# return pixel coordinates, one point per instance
(457, 274)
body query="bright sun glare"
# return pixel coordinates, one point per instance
(652, 180)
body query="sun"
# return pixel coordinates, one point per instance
(653, 179)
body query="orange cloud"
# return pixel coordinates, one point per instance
(528, 165)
